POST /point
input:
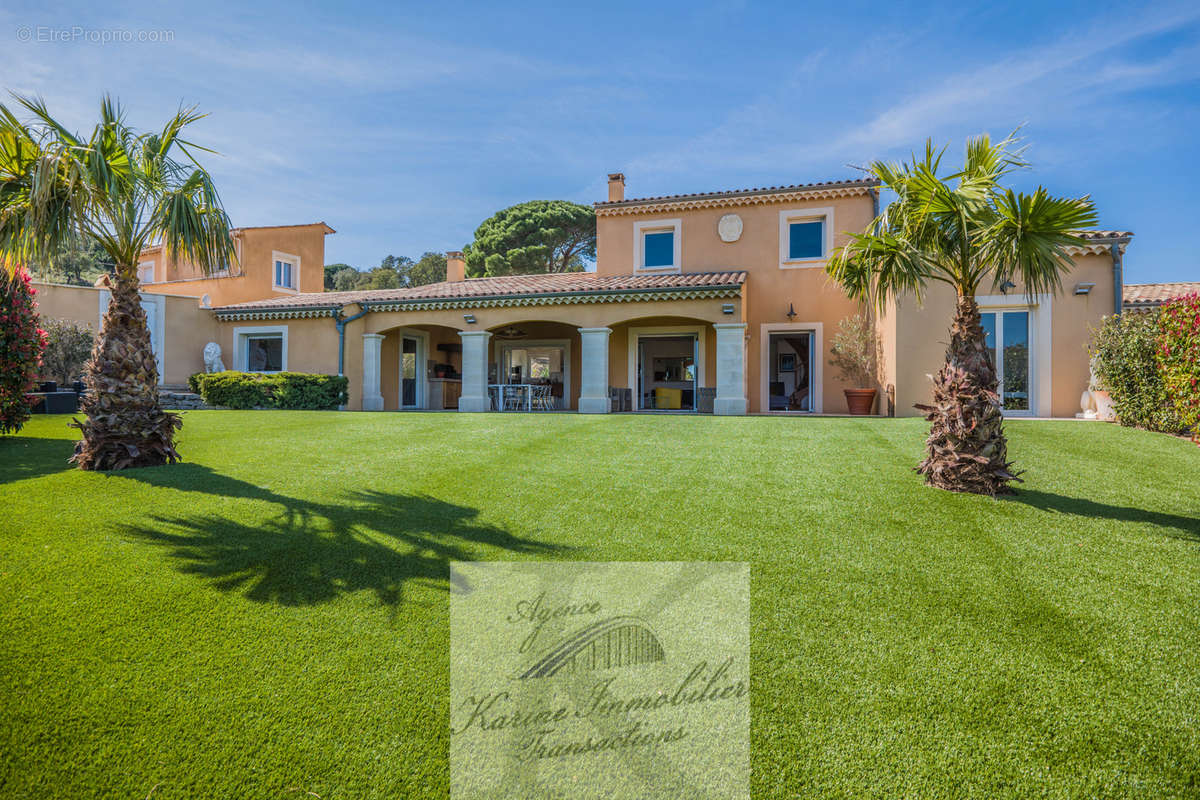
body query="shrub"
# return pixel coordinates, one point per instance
(298, 390)
(68, 346)
(1124, 351)
(289, 390)
(21, 345)
(854, 351)
(236, 389)
(1178, 357)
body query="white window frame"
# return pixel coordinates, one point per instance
(640, 229)
(241, 344)
(422, 359)
(294, 261)
(790, 215)
(1041, 378)
(142, 266)
(814, 329)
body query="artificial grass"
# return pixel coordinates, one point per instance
(269, 619)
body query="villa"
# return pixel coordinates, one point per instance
(713, 302)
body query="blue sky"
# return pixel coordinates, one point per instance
(403, 125)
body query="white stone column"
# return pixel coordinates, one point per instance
(731, 368)
(372, 399)
(593, 384)
(475, 371)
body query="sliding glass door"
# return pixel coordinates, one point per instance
(666, 373)
(1008, 341)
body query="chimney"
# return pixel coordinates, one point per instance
(456, 267)
(616, 187)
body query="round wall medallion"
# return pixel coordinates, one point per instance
(730, 228)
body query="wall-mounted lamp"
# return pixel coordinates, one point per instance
(470, 318)
(1084, 288)
(791, 313)
(1004, 287)
(727, 308)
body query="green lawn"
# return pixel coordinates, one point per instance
(269, 619)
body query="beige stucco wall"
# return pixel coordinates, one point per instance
(770, 290)
(312, 343)
(255, 279)
(916, 334)
(186, 327)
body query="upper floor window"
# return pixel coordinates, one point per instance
(146, 272)
(805, 236)
(287, 271)
(656, 245)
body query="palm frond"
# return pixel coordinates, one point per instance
(1027, 243)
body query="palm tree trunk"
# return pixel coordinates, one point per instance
(125, 425)
(966, 450)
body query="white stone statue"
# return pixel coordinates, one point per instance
(1095, 403)
(212, 358)
(1087, 400)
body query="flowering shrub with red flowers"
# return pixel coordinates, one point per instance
(1179, 357)
(21, 344)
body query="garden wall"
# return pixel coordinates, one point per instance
(185, 328)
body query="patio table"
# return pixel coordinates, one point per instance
(525, 388)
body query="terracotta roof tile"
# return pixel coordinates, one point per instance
(796, 187)
(1092, 234)
(508, 286)
(1148, 295)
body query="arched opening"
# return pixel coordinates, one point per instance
(534, 365)
(665, 364)
(420, 368)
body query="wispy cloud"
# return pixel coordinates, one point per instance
(1079, 72)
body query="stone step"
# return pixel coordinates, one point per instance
(180, 400)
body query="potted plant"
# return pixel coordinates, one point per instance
(854, 351)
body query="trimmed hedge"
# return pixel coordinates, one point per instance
(288, 390)
(1125, 349)
(1178, 357)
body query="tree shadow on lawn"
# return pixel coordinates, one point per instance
(32, 457)
(1181, 527)
(313, 552)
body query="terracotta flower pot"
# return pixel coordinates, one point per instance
(860, 401)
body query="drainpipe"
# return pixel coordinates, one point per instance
(1118, 279)
(340, 322)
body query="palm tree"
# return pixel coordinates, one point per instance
(123, 190)
(966, 230)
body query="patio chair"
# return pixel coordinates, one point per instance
(621, 398)
(541, 398)
(514, 397)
